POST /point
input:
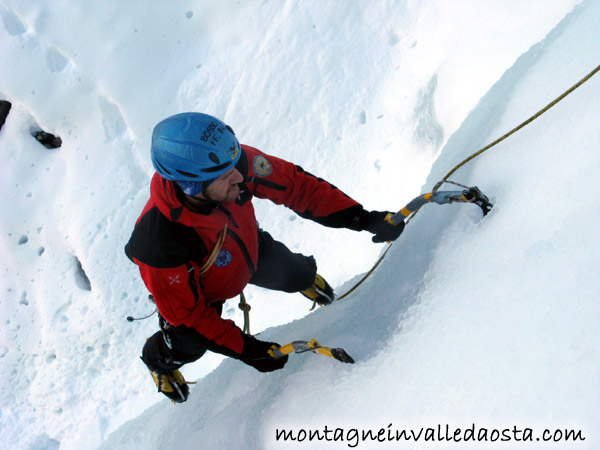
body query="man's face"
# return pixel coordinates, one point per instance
(225, 188)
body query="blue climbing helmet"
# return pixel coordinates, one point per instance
(193, 149)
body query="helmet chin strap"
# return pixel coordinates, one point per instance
(205, 197)
(204, 192)
(208, 198)
(199, 204)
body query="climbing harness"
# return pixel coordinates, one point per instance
(310, 346)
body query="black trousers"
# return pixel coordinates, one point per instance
(278, 268)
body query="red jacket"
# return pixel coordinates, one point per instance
(170, 242)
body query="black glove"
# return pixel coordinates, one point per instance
(255, 355)
(383, 230)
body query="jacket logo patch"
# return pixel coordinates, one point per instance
(223, 258)
(174, 280)
(262, 166)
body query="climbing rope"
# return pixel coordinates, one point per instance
(473, 156)
(518, 127)
(313, 346)
(243, 305)
(215, 252)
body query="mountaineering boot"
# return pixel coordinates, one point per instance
(173, 385)
(320, 292)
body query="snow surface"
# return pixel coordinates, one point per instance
(492, 322)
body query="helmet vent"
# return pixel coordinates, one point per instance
(230, 129)
(162, 167)
(193, 147)
(187, 174)
(216, 168)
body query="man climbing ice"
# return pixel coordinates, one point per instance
(197, 242)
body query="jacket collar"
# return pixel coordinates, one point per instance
(168, 199)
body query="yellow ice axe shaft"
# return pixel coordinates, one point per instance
(310, 346)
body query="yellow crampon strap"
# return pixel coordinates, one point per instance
(310, 346)
(168, 384)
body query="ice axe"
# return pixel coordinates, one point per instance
(310, 346)
(468, 195)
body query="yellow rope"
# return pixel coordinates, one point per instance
(367, 275)
(215, 252)
(517, 128)
(245, 307)
(476, 154)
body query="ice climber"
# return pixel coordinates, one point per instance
(197, 242)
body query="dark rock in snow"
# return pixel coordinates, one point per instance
(47, 140)
(4, 110)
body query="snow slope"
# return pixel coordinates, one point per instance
(490, 322)
(365, 96)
